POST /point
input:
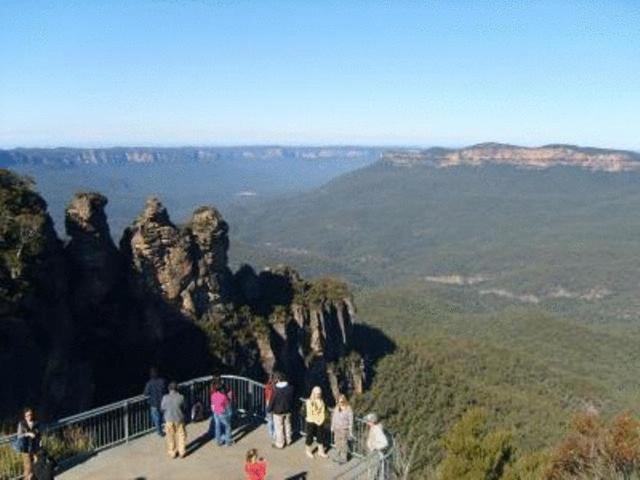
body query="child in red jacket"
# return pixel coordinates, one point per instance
(255, 468)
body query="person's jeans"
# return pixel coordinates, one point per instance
(156, 419)
(271, 429)
(220, 421)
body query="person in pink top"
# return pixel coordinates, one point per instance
(221, 410)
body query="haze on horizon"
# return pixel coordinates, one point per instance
(168, 73)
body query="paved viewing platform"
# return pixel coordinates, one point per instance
(145, 458)
(118, 442)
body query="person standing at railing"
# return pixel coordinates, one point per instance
(155, 389)
(315, 419)
(342, 428)
(255, 468)
(376, 438)
(377, 443)
(281, 406)
(172, 407)
(221, 410)
(28, 440)
(268, 393)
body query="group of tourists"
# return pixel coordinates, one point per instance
(167, 408)
(168, 404)
(319, 422)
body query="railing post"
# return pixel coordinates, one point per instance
(126, 421)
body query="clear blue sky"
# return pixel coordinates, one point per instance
(450, 72)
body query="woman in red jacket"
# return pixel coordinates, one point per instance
(255, 468)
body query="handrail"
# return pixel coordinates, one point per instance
(109, 425)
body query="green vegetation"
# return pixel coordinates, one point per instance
(472, 453)
(530, 371)
(10, 462)
(67, 443)
(562, 237)
(22, 221)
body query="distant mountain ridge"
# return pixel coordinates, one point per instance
(148, 155)
(595, 159)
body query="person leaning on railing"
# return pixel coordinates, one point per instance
(28, 441)
(155, 389)
(221, 411)
(377, 440)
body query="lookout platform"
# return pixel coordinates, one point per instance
(118, 442)
(145, 458)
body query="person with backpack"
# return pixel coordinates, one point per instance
(221, 411)
(172, 407)
(315, 418)
(27, 441)
(281, 405)
(155, 389)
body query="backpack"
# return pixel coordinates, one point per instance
(19, 444)
(197, 412)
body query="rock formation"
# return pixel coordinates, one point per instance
(36, 324)
(81, 323)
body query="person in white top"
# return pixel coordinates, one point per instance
(376, 438)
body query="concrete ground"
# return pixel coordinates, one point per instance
(146, 459)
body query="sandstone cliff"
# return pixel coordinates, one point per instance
(595, 159)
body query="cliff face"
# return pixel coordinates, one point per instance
(36, 323)
(66, 157)
(81, 323)
(594, 159)
(310, 327)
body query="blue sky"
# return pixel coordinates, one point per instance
(207, 72)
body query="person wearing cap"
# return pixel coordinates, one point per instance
(172, 407)
(376, 438)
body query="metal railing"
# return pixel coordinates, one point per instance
(78, 436)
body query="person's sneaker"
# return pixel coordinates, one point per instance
(322, 454)
(309, 453)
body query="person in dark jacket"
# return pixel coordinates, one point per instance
(155, 389)
(29, 436)
(281, 406)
